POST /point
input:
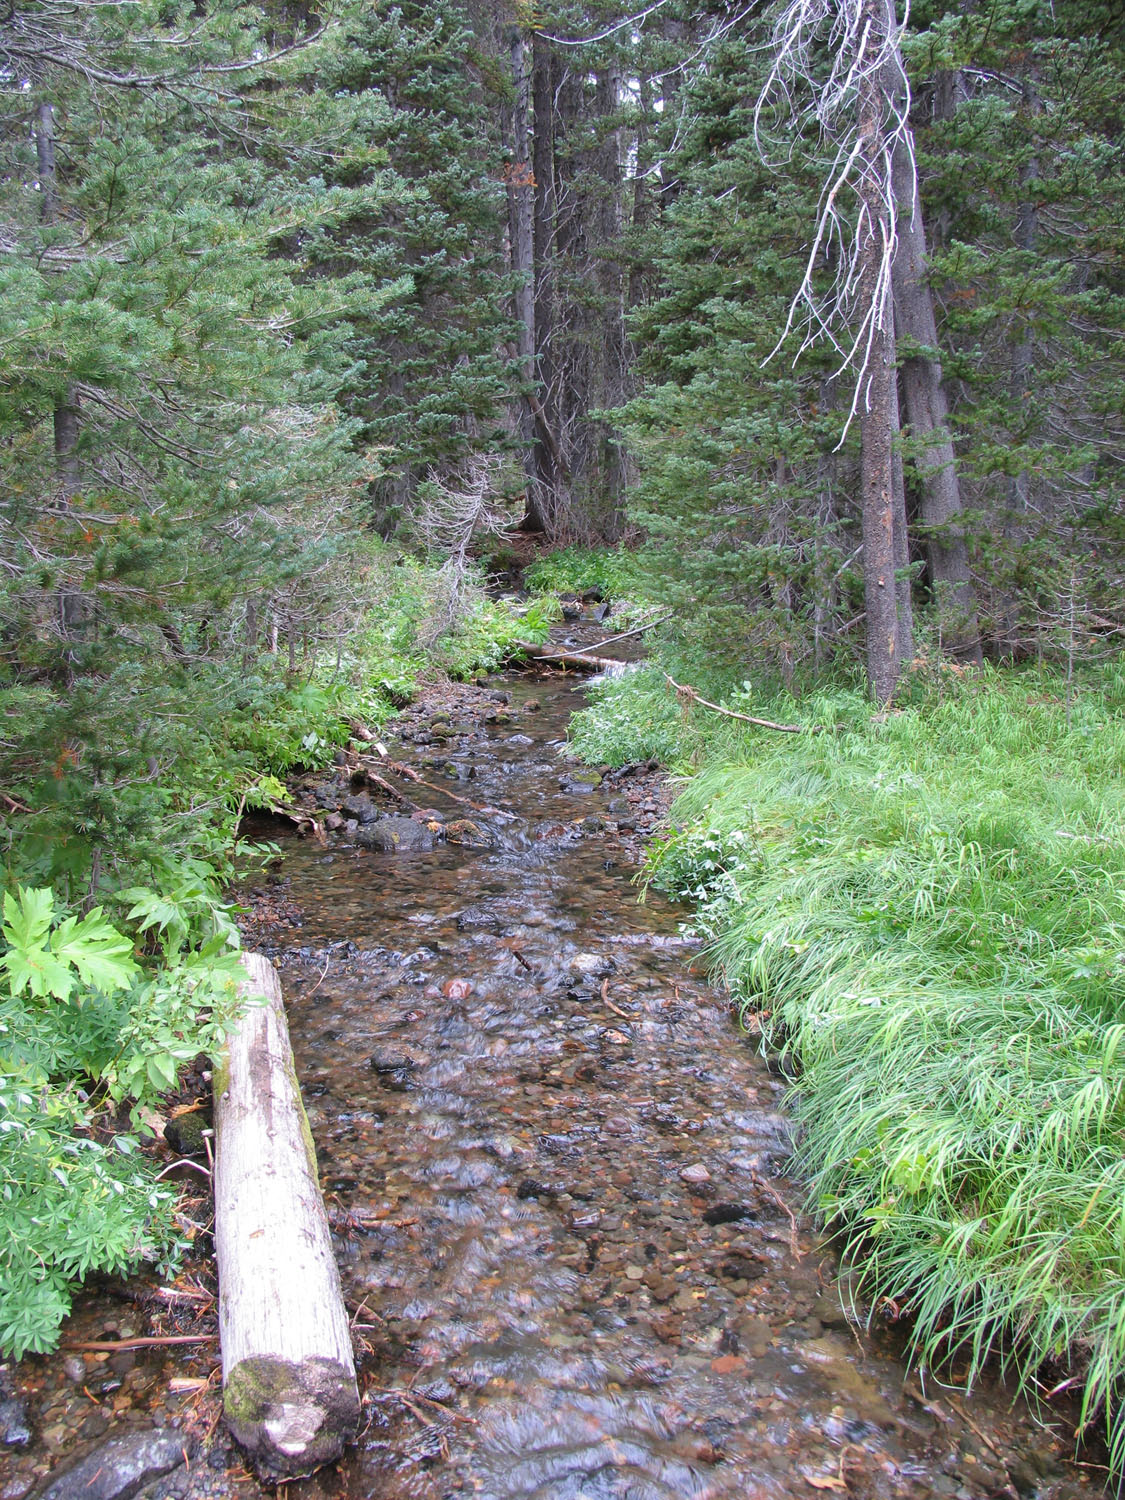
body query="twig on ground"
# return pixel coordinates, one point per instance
(771, 1192)
(150, 1343)
(692, 696)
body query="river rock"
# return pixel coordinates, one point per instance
(14, 1429)
(583, 782)
(185, 1133)
(478, 919)
(464, 831)
(361, 808)
(395, 836)
(592, 965)
(118, 1468)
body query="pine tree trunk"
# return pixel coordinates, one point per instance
(927, 414)
(883, 513)
(74, 609)
(1026, 236)
(521, 187)
(548, 456)
(612, 378)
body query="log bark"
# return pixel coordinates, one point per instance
(289, 1386)
(580, 661)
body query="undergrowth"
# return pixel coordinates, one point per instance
(923, 912)
(126, 789)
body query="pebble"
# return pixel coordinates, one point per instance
(697, 1172)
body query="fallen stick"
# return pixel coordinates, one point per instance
(392, 791)
(693, 697)
(302, 819)
(411, 775)
(289, 1386)
(149, 1343)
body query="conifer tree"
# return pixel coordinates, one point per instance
(438, 367)
(167, 378)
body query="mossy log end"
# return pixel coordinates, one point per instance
(289, 1386)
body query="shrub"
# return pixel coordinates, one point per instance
(83, 1029)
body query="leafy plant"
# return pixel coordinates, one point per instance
(84, 1029)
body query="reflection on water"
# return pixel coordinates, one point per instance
(553, 1165)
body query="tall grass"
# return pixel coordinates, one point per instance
(925, 913)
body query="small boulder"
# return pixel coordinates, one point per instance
(15, 1431)
(119, 1467)
(360, 807)
(591, 965)
(396, 836)
(184, 1132)
(467, 833)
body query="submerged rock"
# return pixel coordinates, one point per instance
(14, 1429)
(395, 836)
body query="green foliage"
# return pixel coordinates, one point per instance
(72, 1204)
(924, 911)
(633, 717)
(433, 375)
(82, 1029)
(569, 570)
(53, 961)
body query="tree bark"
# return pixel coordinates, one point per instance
(74, 608)
(883, 513)
(521, 189)
(927, 415)
(289, 1387)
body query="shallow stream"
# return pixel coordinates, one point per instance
(556, 1173)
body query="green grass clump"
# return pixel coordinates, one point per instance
(925, 911)
(615, 571)
(632, 717)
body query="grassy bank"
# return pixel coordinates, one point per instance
(924, 912)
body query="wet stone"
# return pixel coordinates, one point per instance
(15, 1430)
(695, 1173)
(395, 836)
(118, 1468)
(361, 808)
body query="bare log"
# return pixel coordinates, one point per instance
(289, 1386)
(581, 661)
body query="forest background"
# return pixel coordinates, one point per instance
(309, 318)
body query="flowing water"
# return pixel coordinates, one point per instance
(556, 1173)
(556, 1170)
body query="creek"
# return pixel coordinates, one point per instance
(556, 1170)
(557, 1173)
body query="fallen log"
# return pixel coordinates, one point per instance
(289, 1386)
(580, 660)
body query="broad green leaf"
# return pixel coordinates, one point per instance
(102, 955)
(27, 916)
(38, 971)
